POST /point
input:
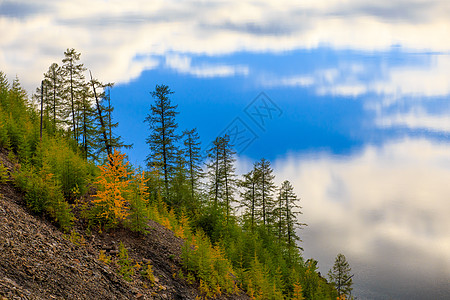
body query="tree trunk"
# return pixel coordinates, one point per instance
(102, 123)
(42, 107)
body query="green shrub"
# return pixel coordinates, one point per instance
(125, 263)
(44, 196)
(210, 265)
(4, 178)
(4, 139)
(69, 168)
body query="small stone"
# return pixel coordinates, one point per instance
(146, 261)
(139, 296)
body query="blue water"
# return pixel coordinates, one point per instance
(313, 116)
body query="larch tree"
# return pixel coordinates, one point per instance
(103, 135)
(193, 158)
(286, 221)
(266, 188)
(53, 80)
(221, 173)
(250, 195)
(110, 204)
(87, 127)
(73, 83)
(114, 141)
(214, 170)
(228, 173)
(49, 93)
(138, 200)
(180, 196)
(340, 276)
(162, 139)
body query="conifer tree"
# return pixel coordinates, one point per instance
(221, 172)
(4, 88)
(53, 92)
(114, 140)
(193, 159)
(73, 83)
(213, 166)
(180, 185)
(103, 135)
(138, 198)
(17, 98)
(43, 101)
(266, 187)
(298, 293)
(340, 276)
(88, 128)
(162, 139)
(286, 217)
(105, 139)
(4, 178)
(228, 173)
(250, 195)
(110, 205)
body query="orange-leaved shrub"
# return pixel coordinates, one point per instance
(110, 204)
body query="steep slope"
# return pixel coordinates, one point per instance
(37, 261)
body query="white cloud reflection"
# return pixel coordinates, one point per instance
(416, 119)
(111, 34)
(386, 208)
(397, 94)
(183, 64)
(354, 79)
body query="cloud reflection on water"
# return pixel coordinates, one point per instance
(386, 208)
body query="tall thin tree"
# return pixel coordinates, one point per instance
(162, 139)
(193, 157)
(250, 195)
(221, 173)
(340, 276)
(73, 80)
(95, 84)
(286, 214)
(266, 187)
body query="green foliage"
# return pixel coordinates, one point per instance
(4, 138)
(147, 272)
(257, 250)
(77, 238)
(4, 177)
(221, 173)
(162, 138)
(51, 168)
(43, 195)
(285, 217)
(138, 199)
(213, 269)
(180, 194)
(340, 276)
(106, 259)
(67, 165)
(193, 159)
(72, 88)
(125, 263)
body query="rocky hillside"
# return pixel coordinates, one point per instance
(37, 261)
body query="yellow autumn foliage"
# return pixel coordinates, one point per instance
(113, 184)
(298, 292)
